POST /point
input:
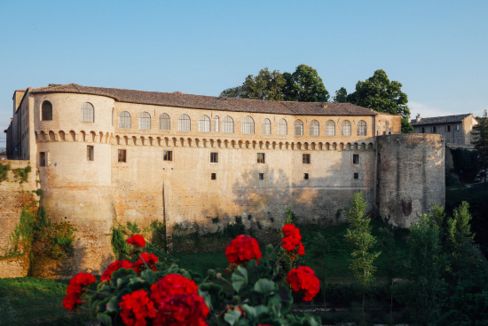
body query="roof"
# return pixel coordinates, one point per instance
(440, 120)
(178, 99)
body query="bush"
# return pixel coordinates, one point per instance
(4, 168)
(466, 163)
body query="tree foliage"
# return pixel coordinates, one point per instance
(340, 95)
(304, 84)
(480, 133)
(381, 94)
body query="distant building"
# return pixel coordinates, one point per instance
(456, 129)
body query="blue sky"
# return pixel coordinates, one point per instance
(436, 49)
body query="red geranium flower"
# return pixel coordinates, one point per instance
(75, 289)
(303, 280)
(146, 259)
(292, 239)
(136, 307)
(137, 240)
(172, 284)
(182, 309)
(242, 249)
(115, 266)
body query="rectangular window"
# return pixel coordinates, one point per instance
(213, 176)
(168, 155)
(305, 176)
(42, 158)
(122, 156)
(261, 158)
(356, 175)
(355, 158)
(90, 153)
(306, 159)
(214, 157)
(448, 128)
(423, 130)
(434, 129)
(457, 127)
(261, 176)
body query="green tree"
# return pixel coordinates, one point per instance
(382, 95)
(340, 95)
(425, 266)
(305, 85)
(302, 85)
(362, 242)
(480, 133)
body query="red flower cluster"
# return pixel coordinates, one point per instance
(146, 259)
(137, 240)
(292, 240)
(136, 307)
(75, 289)
(172, 284)
(303, 279)
(182, 309)
(242, 249)
(115, 266)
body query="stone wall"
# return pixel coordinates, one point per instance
(13, 196)
(411, 176)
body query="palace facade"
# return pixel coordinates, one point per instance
(104, 156)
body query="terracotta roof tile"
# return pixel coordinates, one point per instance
(178, 99)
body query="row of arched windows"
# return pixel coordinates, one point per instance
(87, 112)
(247, 125)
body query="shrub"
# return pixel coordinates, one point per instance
(4, 168)
(21, 174)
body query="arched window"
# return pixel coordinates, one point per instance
(124, 119)
(314, 128)
(362, 128)
(144, 120)
(204, 124)
(346, 128)
(330, 127)
(282, 127)
(267, 127)
(228, 125)
(164, 122)
(87, 112)
(216, 123)
(298, 128)
(184, 123)
(247, 125)
(46, 111)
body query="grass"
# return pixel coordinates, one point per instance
(32, 301)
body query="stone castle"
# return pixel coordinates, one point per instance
(103, 156)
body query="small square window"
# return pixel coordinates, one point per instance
(42, 158)
(305, 176)
(356, 175)
(167, 155)
(214, 157)
(306, 159)
(261, 158)
(261, 176)
(90, 153)
(213, 176)
(355, 158)
(122, 155)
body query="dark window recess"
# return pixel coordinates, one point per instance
(356, 175)
(46, 111)
(305, 176)
(434, 129)
(42, 158)
(214, 157)
(213, 176)
(261, 158)
(122, 155)
(167, 155)
(448, 128)
(423, 130)
(90, 153)
(306, 159)
(355, 158)
(261, 176)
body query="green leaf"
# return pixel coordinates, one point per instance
(112, 304)
(104, 319)
(264, 286)
(232, 316)
(239, 278)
